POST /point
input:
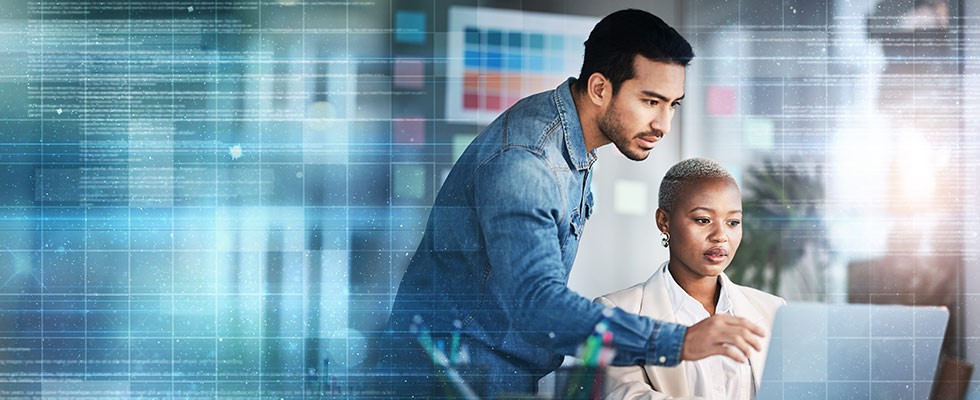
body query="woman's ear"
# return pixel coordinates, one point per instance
(663, 222)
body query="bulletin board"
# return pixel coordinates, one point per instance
(496, 57)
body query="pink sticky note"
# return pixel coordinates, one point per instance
(409, 131)
(721, 100)
(409, 74)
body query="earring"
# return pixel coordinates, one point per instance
(665, 239)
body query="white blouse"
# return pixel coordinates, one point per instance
(715, 377)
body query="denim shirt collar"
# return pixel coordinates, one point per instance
(572, 127)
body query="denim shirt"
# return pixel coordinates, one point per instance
(500, 243)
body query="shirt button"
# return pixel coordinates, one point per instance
(663, 360)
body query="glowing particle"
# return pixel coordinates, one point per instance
(190, 8)
(59, 111)
(235, 152)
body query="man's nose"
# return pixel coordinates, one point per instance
(661, 121)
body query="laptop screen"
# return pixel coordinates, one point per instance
(853, 351)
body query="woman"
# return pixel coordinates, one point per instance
(699, 217)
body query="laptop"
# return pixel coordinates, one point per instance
(853, 351)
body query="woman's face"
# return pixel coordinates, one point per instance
(705, 227)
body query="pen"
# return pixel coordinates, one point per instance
(423, 335)
(605, 356)
(454, 343)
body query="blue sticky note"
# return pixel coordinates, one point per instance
(472, 59)
(494, 60)
(410, 27)
(495, 37)
(556, 42)
(514, 62)
(472, 36)
(535, 63)
(536, 41)
(514, 39)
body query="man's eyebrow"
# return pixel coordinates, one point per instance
(660, 96)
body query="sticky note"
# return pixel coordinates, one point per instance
(630, 197)
(409, 74)
(409, 130)
(757, 133)
(410, 27)
(721, 100)
(408, 181)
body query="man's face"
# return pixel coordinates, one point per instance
(640, 112)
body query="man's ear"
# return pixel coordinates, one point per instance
(663, 222)
(599, 89)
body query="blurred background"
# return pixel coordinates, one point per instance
(218, 198)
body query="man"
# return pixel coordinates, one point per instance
(490, 272)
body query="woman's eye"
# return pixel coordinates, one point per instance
(675, 105)
(651, 102)
(702, 220)
(734, 223)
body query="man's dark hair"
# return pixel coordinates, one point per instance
(620, 36)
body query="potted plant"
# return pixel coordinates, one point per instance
(784, 232)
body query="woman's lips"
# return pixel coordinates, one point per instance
(716, 255)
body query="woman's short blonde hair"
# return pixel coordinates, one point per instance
(687, 171)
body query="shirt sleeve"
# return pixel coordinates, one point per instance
(520, 207)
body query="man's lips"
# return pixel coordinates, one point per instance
(648, 141)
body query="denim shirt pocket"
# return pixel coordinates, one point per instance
(577, 223)
(580, 216)
(589, 205)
